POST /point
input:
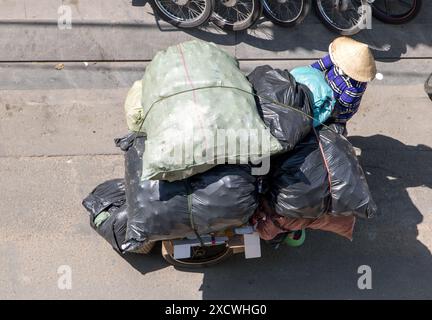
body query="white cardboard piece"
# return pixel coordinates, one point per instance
(182, 251)
(252, 245)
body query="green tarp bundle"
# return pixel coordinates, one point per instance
(197, 111)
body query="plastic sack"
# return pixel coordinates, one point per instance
(220, 198)
(109, 200)
(133, 107)
(321, 93)
(349, 190)
(184, 108)
(288, 124)
(107, 195)
(299, 184)
(321, 176)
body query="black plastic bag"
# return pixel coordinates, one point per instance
(113, 229)
(287, 125)
(299, 185)
(109, 194)
(320, 176)
(109, 198)
(222, 197)
(349, 190)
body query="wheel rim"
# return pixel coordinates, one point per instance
(232, 12)
(284, 10)
(395, 8)
(342, 14)
(182, 10)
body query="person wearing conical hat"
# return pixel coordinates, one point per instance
(348, 68)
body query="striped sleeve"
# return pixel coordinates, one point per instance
(323, 64)
(350, 98)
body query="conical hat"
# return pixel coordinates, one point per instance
(354, 58)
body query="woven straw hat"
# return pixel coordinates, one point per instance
(354, 58)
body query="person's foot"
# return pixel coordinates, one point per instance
(295, 238)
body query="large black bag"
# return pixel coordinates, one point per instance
(321, 175)
(290, 124)
(299, 183)
(349, 190)
(220, 198)
(107, 195)
(110, 198)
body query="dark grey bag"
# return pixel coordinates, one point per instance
(110, 197)
(320, 176)
(288, 125)
(220, 198)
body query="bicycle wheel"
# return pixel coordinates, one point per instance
(286, 13)
(184, 13)
(236, 15)
(396, 11)
(201, 256)
(346, 17)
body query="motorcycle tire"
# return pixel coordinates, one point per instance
(345, 30)
(169, 10)
(223, 8)
(271, 11)
(396, 18)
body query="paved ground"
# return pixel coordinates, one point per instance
(57, 127)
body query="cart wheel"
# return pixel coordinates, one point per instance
(201, 256)
(145, 249)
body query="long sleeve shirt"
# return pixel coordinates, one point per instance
(347, 91)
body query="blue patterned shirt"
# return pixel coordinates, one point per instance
(347, 92)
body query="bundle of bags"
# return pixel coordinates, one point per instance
(200, 136)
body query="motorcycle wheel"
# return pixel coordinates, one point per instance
(286, 13)
(345, 17)
(236, 15)
(184, 13)
(396, 11)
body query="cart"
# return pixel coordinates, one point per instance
(210, 250)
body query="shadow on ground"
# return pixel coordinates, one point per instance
(326, 266)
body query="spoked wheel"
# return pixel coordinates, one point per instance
(236, 15)
(345, 17)
(184, 13)
(201, 256)
(396, 11)
(286, 13)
